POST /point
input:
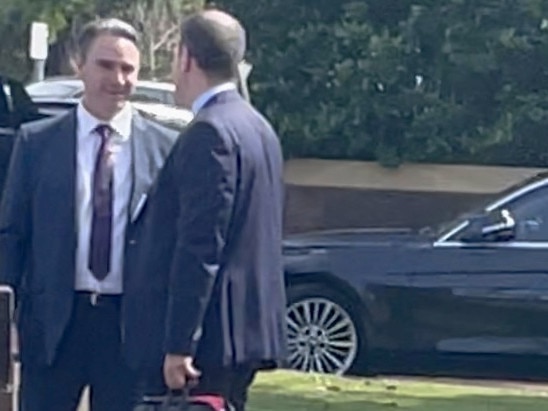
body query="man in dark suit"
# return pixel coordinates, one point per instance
(211, 305)
(69, 224)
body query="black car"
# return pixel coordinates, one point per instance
(478, 285)
(16, 108)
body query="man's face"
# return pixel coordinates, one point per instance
(109, 72)
(181, 77)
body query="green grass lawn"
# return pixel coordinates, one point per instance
(289, 391)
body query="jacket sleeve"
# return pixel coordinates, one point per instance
(15, 216)
(204, 170)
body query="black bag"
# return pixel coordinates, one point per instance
(173, 402)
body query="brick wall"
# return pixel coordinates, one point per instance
(312, 208)
(324, 194)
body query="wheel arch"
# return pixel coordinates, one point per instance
(340, 287)
(327, 278)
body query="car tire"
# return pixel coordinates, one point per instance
(325, 331)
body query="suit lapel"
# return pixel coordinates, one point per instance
(143, 166)
(64, 167)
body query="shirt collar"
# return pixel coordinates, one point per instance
(203, 98)
(120, 123)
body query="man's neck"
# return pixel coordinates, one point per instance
(201, 99)
(205, 86)
(98, 114)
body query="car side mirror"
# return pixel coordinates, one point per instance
(495, 226)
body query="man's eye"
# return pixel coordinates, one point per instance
(106, 64)
(127, 69)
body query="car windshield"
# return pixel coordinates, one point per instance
(52, 89)
(446, 226)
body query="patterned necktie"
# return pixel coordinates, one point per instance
(102, 201)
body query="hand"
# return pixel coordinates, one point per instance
(179, 371)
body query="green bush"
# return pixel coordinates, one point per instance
(394, 80)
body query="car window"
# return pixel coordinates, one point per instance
(5, 109)
(531, 214)
(529, 210)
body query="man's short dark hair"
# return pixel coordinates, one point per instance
(111, 26)
(217, 46)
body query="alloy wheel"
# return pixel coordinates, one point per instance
(322, 337)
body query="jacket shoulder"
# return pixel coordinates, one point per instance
(158, 130)
(162, 130)
(44, 130)
(45, 125)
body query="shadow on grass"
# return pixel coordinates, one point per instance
(261, 400)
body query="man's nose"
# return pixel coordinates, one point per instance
(119, 77)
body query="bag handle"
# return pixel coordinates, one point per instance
(172, 397)
(177, 397)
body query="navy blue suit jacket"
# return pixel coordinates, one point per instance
(38, 223)
(210, 278)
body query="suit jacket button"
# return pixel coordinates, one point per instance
(132, 242)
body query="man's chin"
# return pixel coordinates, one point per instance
(113, 107)
(119, 99)
(105, 109)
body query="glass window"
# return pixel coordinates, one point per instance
(5, 118)
(531, 214)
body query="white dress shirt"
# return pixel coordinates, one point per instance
(209, 94)
(88, 142)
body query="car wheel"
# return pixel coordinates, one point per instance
(324, 332)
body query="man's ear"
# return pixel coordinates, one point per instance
(76, 65)
(185, 60)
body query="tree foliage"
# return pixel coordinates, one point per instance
(385, 80)
(157, 21)
(395, 80)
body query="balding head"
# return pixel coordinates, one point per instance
(216, 41)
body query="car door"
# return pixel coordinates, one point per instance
(16, 108)
(489, 297)
(7, 345)
(7, 131)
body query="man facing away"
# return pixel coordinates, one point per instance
(69, 225)
(211, 304)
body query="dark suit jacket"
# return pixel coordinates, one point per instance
(38, 223)
(211, 277)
